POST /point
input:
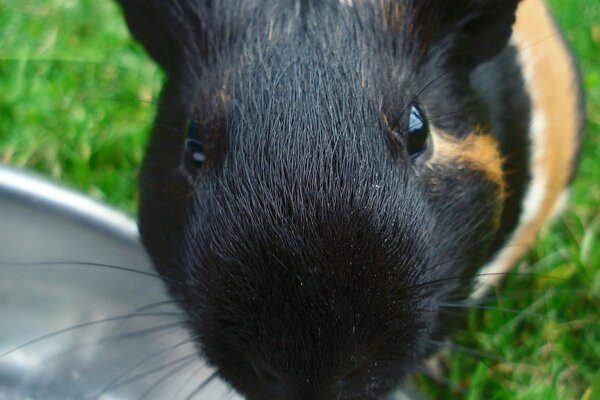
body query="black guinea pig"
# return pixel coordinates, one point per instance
(324, 175)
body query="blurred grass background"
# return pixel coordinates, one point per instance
(77, 98)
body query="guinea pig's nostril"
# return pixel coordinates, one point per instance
(272, 380)
(356, 377)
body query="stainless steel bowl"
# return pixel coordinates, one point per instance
(82, 313)
(60, 260)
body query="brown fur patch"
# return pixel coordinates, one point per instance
(477, 151)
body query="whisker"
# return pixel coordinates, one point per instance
(509, 273)
(128, 370)
(431, 118)
(164, 378)
(440, 379)
(227, 395)
(86, 325)
(201, 386)
(113, 338)
(68, 61)
(188, 359)
(124, 100)
(86, 264)
(423, 89)
(188, 380)
(558, 33)
(538, 303)
(165, 146)
(142, 332)
(480, 355)
(515, 295)
(467, 111)
(490, 308)
(155, 305)
(170, 128)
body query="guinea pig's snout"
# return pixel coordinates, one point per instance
(354, 379)
(279, 386)
(274, 382)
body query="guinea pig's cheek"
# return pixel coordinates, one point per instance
(477, 152)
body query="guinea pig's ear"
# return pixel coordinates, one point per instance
(168, 29)
(477, 29)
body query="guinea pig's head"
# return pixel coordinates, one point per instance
(320, 180)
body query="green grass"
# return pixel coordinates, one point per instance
(76, 102)
(75, 95)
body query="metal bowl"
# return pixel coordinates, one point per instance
(82, 313)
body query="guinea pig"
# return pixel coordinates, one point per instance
(323, 175)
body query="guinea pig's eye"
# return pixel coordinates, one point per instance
(194, 146)
(417, 132)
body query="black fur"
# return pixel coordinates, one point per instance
(311, 246)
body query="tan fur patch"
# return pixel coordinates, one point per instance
(477, 151)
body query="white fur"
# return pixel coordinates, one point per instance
(561, 204)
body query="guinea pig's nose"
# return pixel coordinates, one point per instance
(354, 378)
(272, 380)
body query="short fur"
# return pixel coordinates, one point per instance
(310, 251)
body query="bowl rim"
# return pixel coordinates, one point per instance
(26, 187)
